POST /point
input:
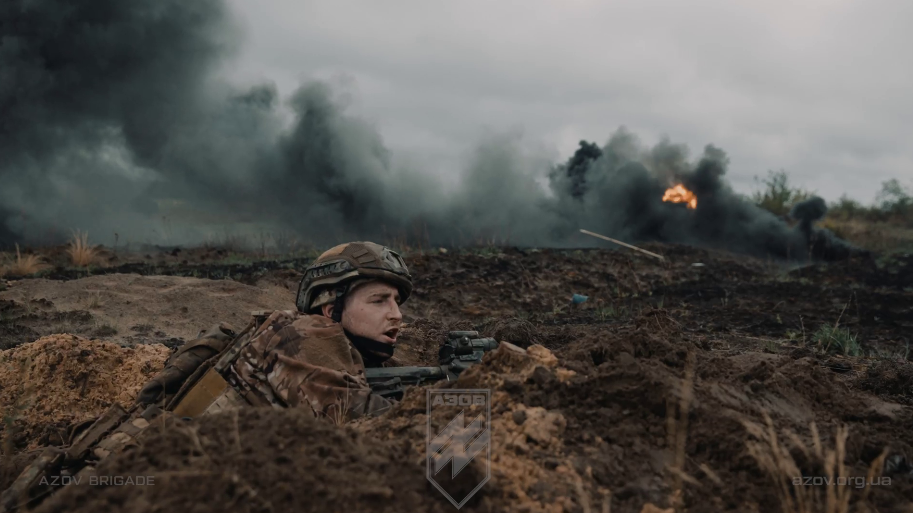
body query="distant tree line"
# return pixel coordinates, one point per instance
(894, 203)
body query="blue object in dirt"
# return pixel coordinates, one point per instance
(577, 299)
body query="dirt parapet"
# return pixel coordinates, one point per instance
(60, 379)
(579, 430)
(583, 426)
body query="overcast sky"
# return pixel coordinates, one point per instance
(820, 88)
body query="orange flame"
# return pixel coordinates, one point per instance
(679, 194)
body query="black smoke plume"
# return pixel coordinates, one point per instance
(822, 243)
(624, 184)
(114, 119)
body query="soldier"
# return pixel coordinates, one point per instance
(347, 318)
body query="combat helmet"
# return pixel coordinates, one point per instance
(328, 278)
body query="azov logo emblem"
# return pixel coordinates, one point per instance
(459, 442)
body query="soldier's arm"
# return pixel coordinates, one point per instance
(184, 362)
(332, 394)
(306, 361)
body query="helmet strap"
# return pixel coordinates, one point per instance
(338, 302)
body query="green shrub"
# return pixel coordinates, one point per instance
(777, 195)
(895, 200)
(831, 339)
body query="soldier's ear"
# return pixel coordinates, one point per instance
(327, 310)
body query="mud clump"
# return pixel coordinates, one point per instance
(60, 379)
(890, 378)
(519, 332)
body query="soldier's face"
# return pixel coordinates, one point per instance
(372, 311)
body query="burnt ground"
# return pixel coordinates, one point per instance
(595, 427)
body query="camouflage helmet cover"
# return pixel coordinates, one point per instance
(353, 261)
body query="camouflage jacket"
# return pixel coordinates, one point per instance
(305, 361)
(289, 360)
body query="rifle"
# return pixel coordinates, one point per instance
(461, 350)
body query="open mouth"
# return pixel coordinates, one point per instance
(391, 334)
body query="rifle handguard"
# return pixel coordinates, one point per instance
(461, 350)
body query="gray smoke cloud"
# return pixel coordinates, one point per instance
(93, 95)
(115, 120)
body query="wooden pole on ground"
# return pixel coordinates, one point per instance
(625, 244)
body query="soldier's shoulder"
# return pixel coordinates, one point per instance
(263, 320)
(300, 321)
(290, 331)
(261, 316)
(317, 326)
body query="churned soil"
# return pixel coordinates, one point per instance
(61, 379)
(584, 431)
(257, 460)
(674, 385)
(131, 309)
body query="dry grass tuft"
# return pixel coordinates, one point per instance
(677, 435)
(81, 254)
(339, 413)
(795, 496)
(23, 266)
(872, 235)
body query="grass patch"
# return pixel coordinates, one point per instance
(23, 265)
(94, 301)
(880, 236)
(774, 457)
(81, 253)
(772, 346)
(832, 339)
(105, 330)
(795, 336)
(612, 312)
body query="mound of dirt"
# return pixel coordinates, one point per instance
(307, 465)
(530, 468)
(592, 428)
(130, 309)
(260, 460)
(890, 378)
(519, 332)
(60, 379)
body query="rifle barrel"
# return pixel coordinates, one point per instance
(375, 374)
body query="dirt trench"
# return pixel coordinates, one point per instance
(599, 415)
